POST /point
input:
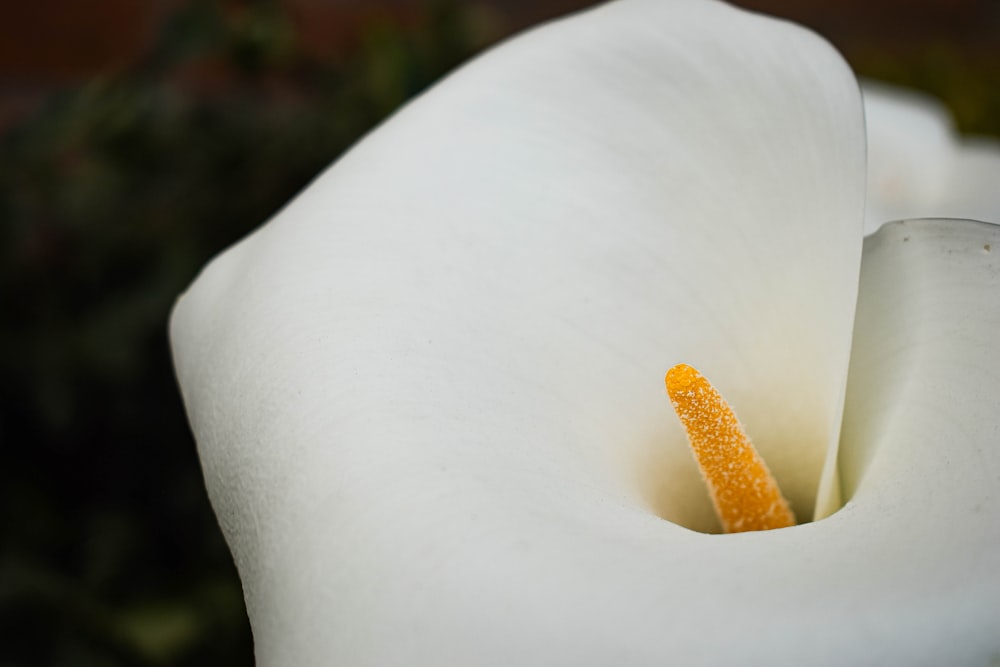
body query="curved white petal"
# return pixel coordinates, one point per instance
(920, 456)
(917, 165)
(428, 396)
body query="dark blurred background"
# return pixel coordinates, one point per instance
(138, 139)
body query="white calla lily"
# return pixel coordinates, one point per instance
(918, 166)
(428, 396)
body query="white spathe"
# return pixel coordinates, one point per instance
(918, 166)
(428, 396)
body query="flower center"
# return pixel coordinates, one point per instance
(744, 492)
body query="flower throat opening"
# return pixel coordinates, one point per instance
(743, 491)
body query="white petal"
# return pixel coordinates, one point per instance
(973, 190)
(911, 150)
(918, 167)
(428, 396)
(920, 456)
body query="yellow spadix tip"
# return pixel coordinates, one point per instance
(744, 492)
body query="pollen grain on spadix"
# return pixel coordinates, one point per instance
(744, 492)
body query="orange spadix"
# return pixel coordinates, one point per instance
(745, 495)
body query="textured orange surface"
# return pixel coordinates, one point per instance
(745, 495)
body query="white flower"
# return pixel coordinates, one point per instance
(428, 395)
(919, 167)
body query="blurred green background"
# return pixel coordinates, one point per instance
(137, 141)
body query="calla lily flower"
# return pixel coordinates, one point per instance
(918, 166)
(428, 396)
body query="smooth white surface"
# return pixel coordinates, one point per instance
(918, 166)
(920, 456)
(428, 396)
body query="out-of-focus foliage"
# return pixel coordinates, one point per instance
(111, 199)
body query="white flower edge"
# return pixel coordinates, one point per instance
(918, 165)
